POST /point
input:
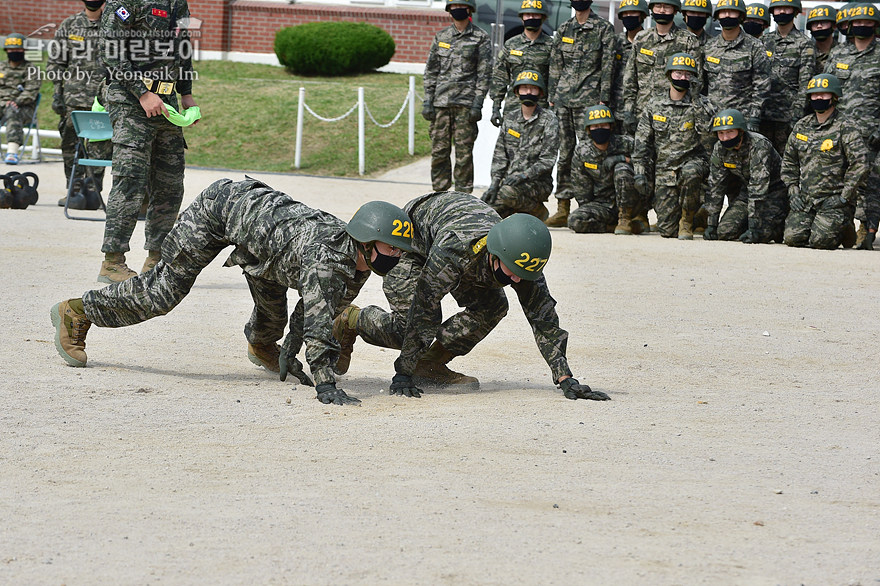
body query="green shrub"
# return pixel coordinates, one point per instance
(333, 48)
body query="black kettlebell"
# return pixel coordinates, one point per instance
(6, 192)
(21, 192)
(90, 191)
(76, 200)
(31, 194)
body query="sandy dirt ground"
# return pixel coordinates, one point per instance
(740, 447)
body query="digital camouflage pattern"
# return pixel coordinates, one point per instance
(20, 114)
(599, 193)
(459, 68)
(450, 257)
(518, 54)
(760, 201)
(451, 125)
(826, 161)
(792, 64)
(738, 74)
(621, 57)
(822, 58)
(280, 244)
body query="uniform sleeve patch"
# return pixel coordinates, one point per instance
(122, 13)
(516, 53)
(513, 132)
(711, 59)
(802, 137)
(590, 165)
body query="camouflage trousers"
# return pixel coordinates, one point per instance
(451, 126)
(148, 156)
(16, 118)
(102, 149)
(523, 196)
(777, 132)
(764, 217)
(670, 201)
(868, 204)
(483, 309)
(820, 226)
(592, 218)
(571, 129)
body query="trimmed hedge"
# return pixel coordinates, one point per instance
(333, 48)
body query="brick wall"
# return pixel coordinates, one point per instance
(250, 25)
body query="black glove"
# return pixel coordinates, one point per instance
(612, 162)
(328, 393)
(753, 124)
(746, 237)
(641, 184)
(868, 242)
(402, 384)
(475, 115)
(496, 115)
(428, 112)
(58, 104)
(292, 365)
(711, 233)
(491, 194)
(874, 140)
(514, 179)
(572, 389)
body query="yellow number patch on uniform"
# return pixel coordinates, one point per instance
(478, 245)
(591, 165)
(711, 59)
(659, 118)
(443, 45)
(842, 66)
(730, 165)
(513, 132)
(687, 125)
(827, 145)
(516, 53)
(647, 52)
(76, 38)
(802, 137)
(568, 40)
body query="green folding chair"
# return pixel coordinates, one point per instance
(88, 126)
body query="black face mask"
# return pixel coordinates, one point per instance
(532, 24)
(695, 22)
(528, 99)
(729, 22)
(681, 85)
(631, 23)
(460, 13)
(820, 105)
(861, 31)
(383, 263)
(94, 5)
(783, 17)
(753, 28)
(662, 18)
(821, 35)
(499, 274)
(15, 56)
(581, 5)
(731, 143)
(600, 135)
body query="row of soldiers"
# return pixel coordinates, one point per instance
(586, 64)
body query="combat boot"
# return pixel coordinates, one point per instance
(624, 224)
(701, 220)
(265, 355)
(431, 370)
(71, 327)
(114, 269)
(153, 258)
(640, 224)
(860, 234)
(560, 218)
(686, 226)
(848, 235)
(345, 332)
(540, 211)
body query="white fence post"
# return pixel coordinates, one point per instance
(300, 112)
(412, 115)
(361, 163)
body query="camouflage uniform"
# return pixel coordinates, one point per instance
(827, 162)
(74, 61)
(760, 200)
(518, 54)
(822, 58)
(280, 244)
(599, 193)
(450, 257)
(18, 115)
(524, 156)
(621, 58)
(859, 75)
(792, 64)
(457, 77)
(581, 74)
(672, 143)
(738, 75)
(148, 153)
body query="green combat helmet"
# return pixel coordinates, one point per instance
(674, 3)
(824, 82)
(821, 13)
(472, 4)
(530, 77)
(529, 7)
(14, 41)
(681, 62)
(384, 222)
(522, 242)
(636, 6)
(796, 4)
(703, 6)
(729, 119)
(758, 12)
(735, 5)
(598, 115)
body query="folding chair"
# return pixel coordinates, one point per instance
(88, 126)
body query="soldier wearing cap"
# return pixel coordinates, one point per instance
(19, 88)
(821, 22)
(757, 20)
(695, 15)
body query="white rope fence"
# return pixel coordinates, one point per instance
(363, 111)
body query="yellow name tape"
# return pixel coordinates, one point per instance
(568, 40)
(513, 132)
(443, 45)
(659, 118)
(802, 137)
(516, 53)
(590, 166)
(711, 59)
(730, 165)
(647, 52)
(842, 66)
(478, 245)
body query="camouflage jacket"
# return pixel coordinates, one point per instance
(518, 54)
(458, 70)
(590, 181)
(582, 63)
(645, 75)
(670, 134)
(143, 44)
(450, 233)
(827, 159)
(526, 146)
(621, 57)
(75, 61)
(738, 74)
(25, 76)
(756, 164)
(859, 75)
(822, 58)
(792, 63)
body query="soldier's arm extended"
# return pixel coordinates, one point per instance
(539, 308)
(791, 165)
(805, 73)
(484, 70)
(432, 70)
(500, 161)
(717, 180)
(500, 76)
(608, 46)
(760, 85)
(556, 66)
(695, 49)
(630, 87)
(643, 148)
(59, 56)
(857, 162)
(549, 147)
(115, 34)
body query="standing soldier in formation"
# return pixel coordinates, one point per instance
(842, 23)
(632, 13)
(857, 66)
(821, 24)
(747, 165)
(696, 14)
(672, 145)
(19, 88)
(463, 249)
(792, 64)
(824, 163)
(457, 77)
(602, 179)
(522, 165)
(581, 73)
(737, 67)
(76, 70)
(529, 50)
(757, 20)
